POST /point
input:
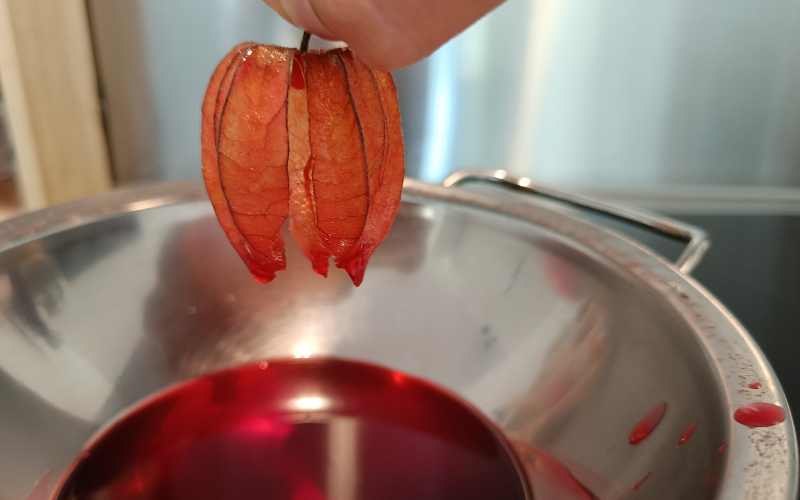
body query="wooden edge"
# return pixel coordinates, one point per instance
(50, 88)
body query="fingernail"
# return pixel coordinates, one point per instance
(303, 15)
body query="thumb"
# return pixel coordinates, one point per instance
(301, 14)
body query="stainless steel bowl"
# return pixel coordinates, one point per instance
(563, 332)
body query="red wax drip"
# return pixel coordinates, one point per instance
(721, 449)
(687, 433)
(760, 415)
(548, 478)
(754, 385)
(639, 482)
(648, 423)
(298, 80)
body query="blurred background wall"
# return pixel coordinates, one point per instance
(604, 94)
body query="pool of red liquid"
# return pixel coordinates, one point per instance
(309, 429)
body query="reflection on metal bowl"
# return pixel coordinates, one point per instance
(562, 332)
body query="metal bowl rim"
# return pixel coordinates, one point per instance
(758, 460)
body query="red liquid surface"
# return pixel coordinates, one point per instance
(760, 415)
(754, 385)
(687, 433)
(647, 424)
(306, 429)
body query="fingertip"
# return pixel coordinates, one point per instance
(387, 59)
(378, 63)
(277, 7)
(384, 40)
(302, 14)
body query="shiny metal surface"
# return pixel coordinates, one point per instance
(697, 240)
(561, 331)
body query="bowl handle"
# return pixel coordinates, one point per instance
(696, 239)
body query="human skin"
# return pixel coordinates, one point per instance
(386, 34)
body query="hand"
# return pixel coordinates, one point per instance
(385, 34)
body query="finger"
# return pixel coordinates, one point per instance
(391, 34)
(277, 7)
(302, 14)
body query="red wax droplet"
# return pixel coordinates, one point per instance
(319, 263)
(721, 449)
(307, 175)
(639, 482)
(754, 385)
(298, 80)
(687, 433)
(760, 415)
(647, 423)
